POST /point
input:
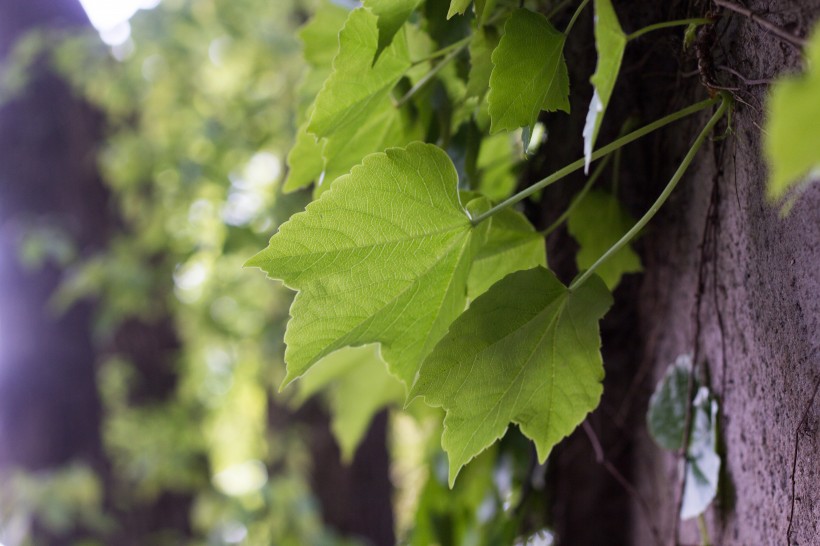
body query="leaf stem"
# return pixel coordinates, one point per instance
(575, 16)
(444, 50)
(558, 7)
(667, 191)
(667, 24)
(704, 531)
(599, 169)
(597, 154)
(431, 74)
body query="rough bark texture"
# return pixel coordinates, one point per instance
(726, 279)
(729, 280)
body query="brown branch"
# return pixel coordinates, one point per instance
(768, 25)
(794, 459)
(744, 79)
(601, 459)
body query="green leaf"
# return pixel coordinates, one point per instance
(666, 421)
(357, 386)
(512, 245)
(353, 114)
(458, 7)
(357, 87)
(392, 15)
(320, 39)
(320, 35)
(529, 72)
(667, 407)
(792, 133)
(485, 40)
(525, 352)
(703, 470)
(381, 257)
(496, 160)
(483, 9)
(305, 161)
(610, 42)
(385, 127)
(597, 222)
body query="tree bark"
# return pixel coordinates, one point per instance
(731, 281)
(726, 279)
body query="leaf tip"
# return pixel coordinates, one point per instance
(254, 261)
(289, 378)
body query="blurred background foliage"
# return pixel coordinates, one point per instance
(202, 104)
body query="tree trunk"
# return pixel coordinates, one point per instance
(726, 279)
(49, 408)
(731, 281)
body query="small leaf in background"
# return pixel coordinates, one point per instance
(458, 7)
(353, 114)
(667, 407)
(392, 15)
(792, 132)
(357, 386)
(525, 352)
(512, 245)
(382, 257)
(610, 42)
(320, 35)
(532, 139)
(484, 41)
(305, 161)
(385, 127)
(703, 470)
(529, 72)
(597, 222)
(666, 421)
(497, 158)
(320, 44)
(356, 86)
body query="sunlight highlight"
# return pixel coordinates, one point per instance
(111, 18)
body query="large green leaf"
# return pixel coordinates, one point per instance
(610, 42)
(357, 386)
(525, 352)
(529, 72)
(382, 257)
(392, 15)
(357, 86)
(597, 222)
(512, 245)
(792, 135)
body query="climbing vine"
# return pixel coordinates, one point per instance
(410, 136)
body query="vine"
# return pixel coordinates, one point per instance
(413, 242)
(389, 255)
